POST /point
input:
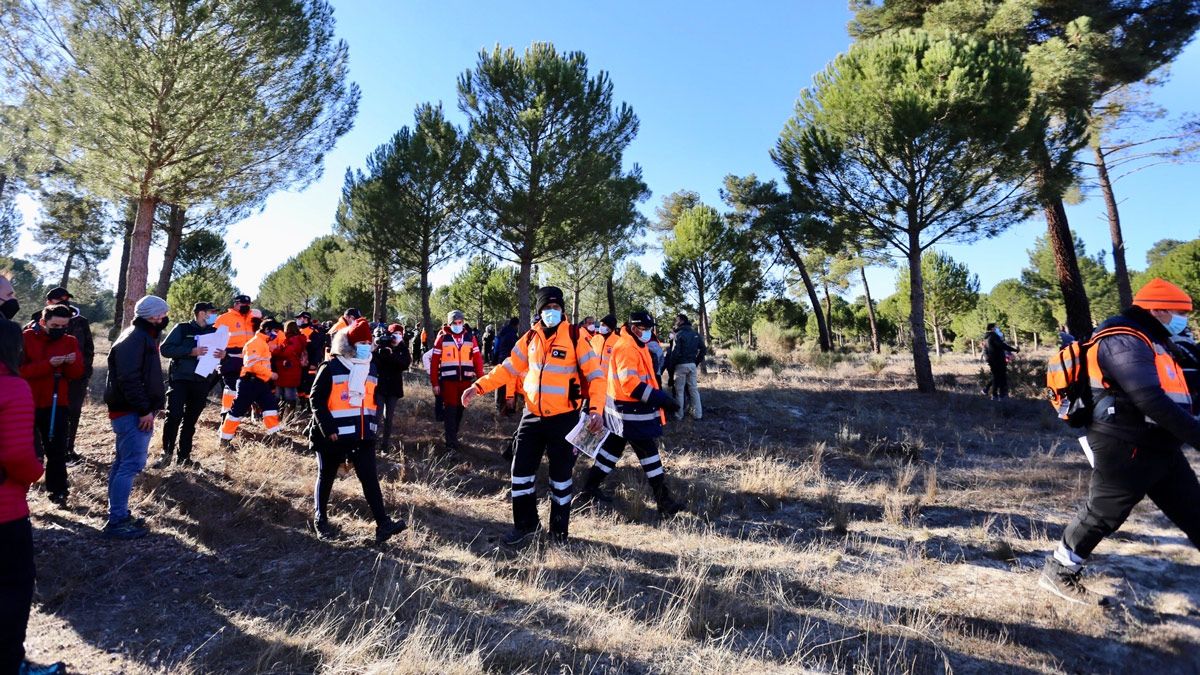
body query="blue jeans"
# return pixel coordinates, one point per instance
(132, 445)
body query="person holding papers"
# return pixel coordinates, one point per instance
(187, 392)
(633, 413)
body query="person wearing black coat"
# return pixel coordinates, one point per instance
(996, 351)
(134, 392)
(187, 393)
(392, 359)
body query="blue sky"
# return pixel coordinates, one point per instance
(712, 84)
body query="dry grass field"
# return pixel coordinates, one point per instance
(838, 523)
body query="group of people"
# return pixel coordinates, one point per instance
(1144, 374)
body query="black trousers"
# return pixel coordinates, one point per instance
(538, 436)
(76, 397)
(999, 382)
(331, 455)
(16, 591)
(389, 411)
(53, 445)
(1123, 475)
(610, 453)
(185, 401)
(452, 420)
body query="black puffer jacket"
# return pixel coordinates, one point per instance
(995, 349)
(135, 378)
(392, 362)
(1135, 394)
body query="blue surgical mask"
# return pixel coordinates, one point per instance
(362, 352)
(551, 317)
(1177, 323)
(645, 335)
(271, 335)
(210, 320)
(456, 328)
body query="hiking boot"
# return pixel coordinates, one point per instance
(591, 497)
(227, 444)
(28, 668)
(518, 537)
(557, 538)
(324, 530)
(59, 498)
(74, 459)
(125, 530)
(384, 531)
(1061, 581)
(188, 463)
(164, 462)
(667, 506)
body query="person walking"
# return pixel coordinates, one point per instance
(288, 360)
(254, 385)
(19, 468)
(345, 405)
(391, 359)
(239, 322)
(456, 363)
(1143, 414)
(996, 351)
(686, 355)
(80, 329)
(635, 415)
(52, 359)
(558, 370)
(133, 392)
(187, 392)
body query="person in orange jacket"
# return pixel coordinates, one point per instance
(457, 361)
(558, 370)
(238, 322)
(254, 385)
(52, 360)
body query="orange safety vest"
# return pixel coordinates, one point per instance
(352, 420)
(603, 346)
(549, 371)
(631, 385)
(1170, 375)
(240, 330)
(457, 362)
(256, 358)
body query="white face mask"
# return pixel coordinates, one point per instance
(362, 351)
(603, 330)
(551, 317)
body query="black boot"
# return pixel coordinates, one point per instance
(323, 529)
(667, 506)
(1065, 583)
(385, 530)
(591, 492)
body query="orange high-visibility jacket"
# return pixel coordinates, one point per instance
(256, 358)
(549, 370)
(332, 410)
(1170, 375)
(633, 406)
(603, 345)
(452, 361)
(240, 330)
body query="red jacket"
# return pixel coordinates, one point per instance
(468, 364)
(37, 371)
(17, 458)
(286, 361)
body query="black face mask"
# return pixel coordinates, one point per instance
(56, 333)
(10, 307)
(244, 309)
(162, 325)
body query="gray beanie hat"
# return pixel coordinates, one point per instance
(454, 315)
(149, 306)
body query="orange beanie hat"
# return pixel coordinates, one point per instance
(1159, 294)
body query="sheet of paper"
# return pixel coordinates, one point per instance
(1087, 450)
(587, 442)
(208, 363)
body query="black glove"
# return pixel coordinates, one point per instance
(670, 405)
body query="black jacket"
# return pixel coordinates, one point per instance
(391, 363)
(135, 379)
(1135, 394)
(687, 347)
(318, 342)
(178, 347)
(995, 349)
(323, 423)
(506, 339)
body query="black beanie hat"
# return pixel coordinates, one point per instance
(610, 321)
(547, 295)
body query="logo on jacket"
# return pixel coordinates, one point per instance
(558, 353)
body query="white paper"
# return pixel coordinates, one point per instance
(1087, 450)
(208, 363)
(587, 442)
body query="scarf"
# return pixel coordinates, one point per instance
(359, 369)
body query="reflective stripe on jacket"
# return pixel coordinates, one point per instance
(633, 406)
(333, 412)
(549, 371)
(240, 330)
(256, 358)
(452, 361)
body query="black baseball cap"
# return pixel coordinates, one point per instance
(303, 315)
(353, 313)
(241, 299)
(203, 307)
(641, 319)
(59, 293)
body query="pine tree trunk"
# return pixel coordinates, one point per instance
(828, 310)
(66, 273)
(870, 310)
(798, 261)
(176, 220)
(139, 256)
(119, 299)
(523, 300)
(379, 295)
(1120, 270)
(916, 320)
(610, 293)
(426, 320)
(1070, 281)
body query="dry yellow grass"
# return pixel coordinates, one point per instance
(839, 523)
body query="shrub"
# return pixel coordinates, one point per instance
(779, 342)
(745, 362)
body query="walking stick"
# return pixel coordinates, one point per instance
(54, 407)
